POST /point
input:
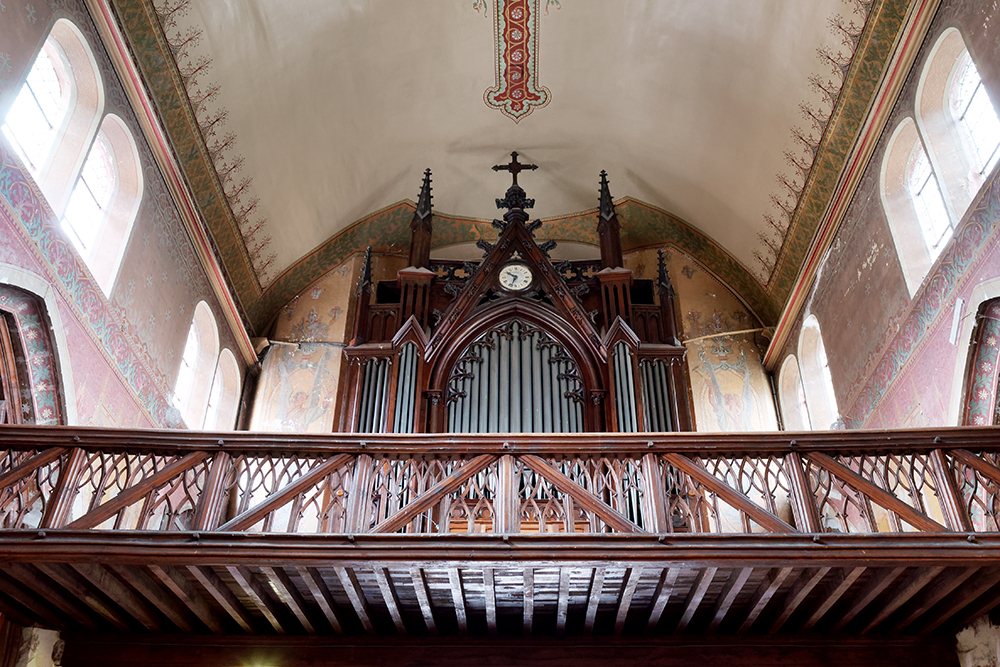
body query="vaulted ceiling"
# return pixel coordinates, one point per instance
(302, 128)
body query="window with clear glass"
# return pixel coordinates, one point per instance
(935, 225)
(89, 204)
(975, 115)
(33, 122)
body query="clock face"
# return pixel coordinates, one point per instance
(515, 277)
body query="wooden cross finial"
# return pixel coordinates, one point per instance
(514, 167)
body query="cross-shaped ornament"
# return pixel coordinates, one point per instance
(514, 167)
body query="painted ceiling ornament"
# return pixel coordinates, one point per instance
(516, 92)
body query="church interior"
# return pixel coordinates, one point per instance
(511, 331)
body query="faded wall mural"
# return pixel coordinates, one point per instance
(730, 387)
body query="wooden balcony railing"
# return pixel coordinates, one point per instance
(837, 482)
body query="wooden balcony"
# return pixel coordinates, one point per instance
(638, 535)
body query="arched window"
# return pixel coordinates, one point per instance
(102, 210)
(223, 401)
(41, 106)
(928, 203)
(974, 114)
(816, 378)
(792, 396)
(56, 113)
(915, 209)
(198, 361)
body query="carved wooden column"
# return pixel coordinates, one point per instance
(421, 228)
(363, 294)
(608, 229)
(670, 321)
(616, 295)
(414, 299)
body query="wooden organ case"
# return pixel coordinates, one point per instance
(515, 343)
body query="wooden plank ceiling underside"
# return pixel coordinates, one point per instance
(874, 592)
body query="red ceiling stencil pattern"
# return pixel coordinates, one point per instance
(516, 92)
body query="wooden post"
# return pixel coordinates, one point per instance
(803, 498)
(507, 506)
(654, 500)
(57, 513)
(358, 503)
(212, 504)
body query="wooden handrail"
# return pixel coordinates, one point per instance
(692, 444)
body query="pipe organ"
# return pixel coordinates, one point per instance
(515, 343)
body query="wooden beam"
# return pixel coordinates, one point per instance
(664, 589)
(879, 582)
(737, 580)
(39, 607)
(57, 510)
(76, 586)
(877, 495)
(931, 596)
(694, 598)
(562, 606)
(223, 595)
(594, 601)
(349, 580)
(982, 606)
(902, 595)
(963, 597)
(186, 591)
(138, 607)
(765, 591)
(977, 463)
(489, 591)
(738, 500)
(458, 595)
(155, 595)
(632, 576)
(529, 599)
(29, 466)
(253, 589)
(384, 580)
(424, 599)
(286, 589)
(321, 594)
(808, 580)
(37, 582)
(284, 495)
(434, 495)
(955, 513)
(134, 493)
(580, 495)
(841, 581)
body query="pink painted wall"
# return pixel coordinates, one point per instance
(124, 351)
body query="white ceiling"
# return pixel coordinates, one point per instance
(337, 106)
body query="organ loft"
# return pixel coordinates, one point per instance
(515, 342)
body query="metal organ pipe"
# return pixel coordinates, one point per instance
(515, 385)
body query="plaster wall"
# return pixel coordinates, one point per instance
(893, 358)
(123, 350)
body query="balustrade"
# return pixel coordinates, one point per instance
(840, 482)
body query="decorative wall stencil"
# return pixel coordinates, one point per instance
(981, 394)
(21, 202)
(39, 354)
(817, 115)
(237, 190)
(516, 92)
